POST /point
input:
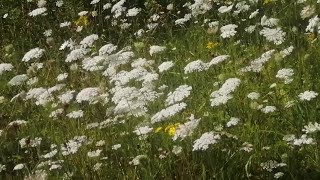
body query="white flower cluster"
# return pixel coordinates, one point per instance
(75, 114)
(35, 53)
(186, 129)
(142, 131)
(307, 95)
(168, 112)
(88, 95)
(286, 75)
(136, 161)
(162, 67)
(5, 67)
(76, 54)
(118, 8)
(107, 49)
(205, 140)
(18, 80)
(257, 64)
(178, 94)
(268, 109)
(38, 11)
(88, 41)
(73, 145)
(286, 52)
(276, 35)
(228, 31)
(200, 7)
(222, 95)
(232, 122)
(199, 65)
(156, 49)
(311, 128)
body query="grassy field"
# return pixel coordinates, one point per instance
(156, 89)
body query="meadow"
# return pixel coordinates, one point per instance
(159, 89)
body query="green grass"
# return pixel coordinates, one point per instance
(226, 159)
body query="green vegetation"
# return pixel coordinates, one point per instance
(204, 89)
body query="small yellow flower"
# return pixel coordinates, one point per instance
(158, 129)
(171, 129)
(82, 21)
(212, 45)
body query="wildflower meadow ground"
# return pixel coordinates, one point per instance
(159, 89)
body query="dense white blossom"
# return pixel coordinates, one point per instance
(228, 31)
(168, 112)
(222, 95)
(35, 53)
(186, 129)
(277, 36)
(165, 66)
(307, 95)
(88, 95)
(38, 11)
(75, 114)
(285, 74)
(205, 140)
(196, 66)
(18, 80)
(5, 67)
(140, 131)
(156, 49)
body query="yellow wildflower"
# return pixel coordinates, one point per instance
(158, 129)
(212, 45)
(171, 129)
(82, 21)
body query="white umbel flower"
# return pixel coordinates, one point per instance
(18, 167)
(168, 112)
(232, 122)
(18, 80)
(75, 114)
(88, 95)
(89, 40)
(228, 31)
(76, 54)
(253, 95)
(277, 36)
(4, 67)
(313, 24)
(285, 74)
(178, 95)
(268, 109)
(38, 11)
(35, 53)
(95, 153)
(165, 66)
(307, 95)
(186, 129)
(307, 11)
(222, 95)
(140, 131)
(107, 49)
(156, 49)
(205, 140)
(311, 128)
(136, 161)
(196, 66)
(133, 12)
